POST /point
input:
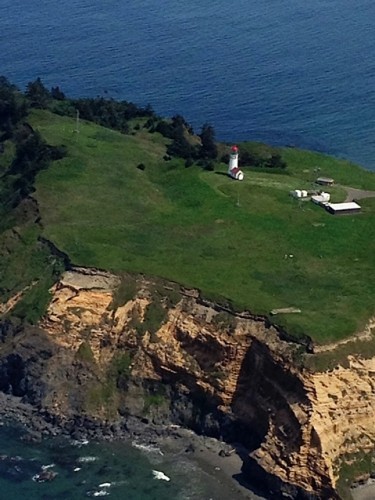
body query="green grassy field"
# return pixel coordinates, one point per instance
(204, 230)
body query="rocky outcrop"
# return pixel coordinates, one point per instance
(162, 354)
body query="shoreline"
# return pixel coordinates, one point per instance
(226, 469)
(217, 459)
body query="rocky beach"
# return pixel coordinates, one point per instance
(215, 461)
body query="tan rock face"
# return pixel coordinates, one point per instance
(344, 409)
(298, 423)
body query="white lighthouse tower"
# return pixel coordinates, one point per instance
(233, 170)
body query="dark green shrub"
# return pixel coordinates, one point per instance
(84, 353)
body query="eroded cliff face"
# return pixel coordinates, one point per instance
(344, 410)
(200, 366)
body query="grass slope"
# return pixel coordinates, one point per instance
(204, 230)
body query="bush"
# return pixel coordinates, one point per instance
(210, 166)
(155, 315)
(151, 400)
(225, 321)
(125, 292)
(84, 353)
(275, 162)
(120, 369)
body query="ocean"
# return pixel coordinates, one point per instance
(286, 72)
(118, 470)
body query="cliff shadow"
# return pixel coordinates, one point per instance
(261, 405)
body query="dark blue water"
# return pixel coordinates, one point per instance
(283, 71)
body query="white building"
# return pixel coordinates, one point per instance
(350, 207)
(325, 181)
(321, 198)
(233, 170)
(299, 193)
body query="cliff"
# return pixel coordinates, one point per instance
(111, 347)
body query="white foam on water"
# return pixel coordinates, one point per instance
(147, 447)
(160, 475)
(105, 485)
(49, 466)
(100, 493)
(79, 443)
(87, 459)
(119, 483)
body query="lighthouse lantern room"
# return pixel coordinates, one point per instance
(233, 170)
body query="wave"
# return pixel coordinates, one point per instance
(46, 467)
(98, 493)
(160, 475)
(79, 443)
(147, 447)
(87, 459)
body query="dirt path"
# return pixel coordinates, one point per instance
(365, 335)
(357, 194)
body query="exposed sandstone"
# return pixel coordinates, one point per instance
(297, 424)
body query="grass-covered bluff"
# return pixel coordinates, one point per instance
(204, 230)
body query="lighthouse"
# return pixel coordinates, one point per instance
(233, 170)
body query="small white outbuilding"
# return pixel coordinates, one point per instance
(321, 198)
(299, 193)
(236, 173)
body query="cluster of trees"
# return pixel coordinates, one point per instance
(13, 108)
(105, 112)
(32, 153)
(179, 131)
(110, 113)
(116, 115)
(184, 143)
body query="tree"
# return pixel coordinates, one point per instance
(181, 147)
(57, 94)
(37, 93)
(275, 162)
(12, 108)
(208, 149)
(248, 159)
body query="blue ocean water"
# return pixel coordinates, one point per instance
(282, 71)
